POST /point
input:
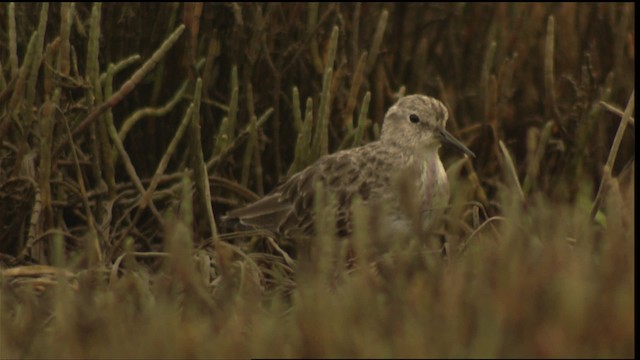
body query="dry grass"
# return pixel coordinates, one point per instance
(118, 122)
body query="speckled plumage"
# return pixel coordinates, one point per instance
(407, 152)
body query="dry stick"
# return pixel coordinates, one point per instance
(455, 168)
(227, 246)
(303, 141)
(108, 150)
(63, 64)
(308, 39)
(162, 166)
(251, 114)
(126, 88)
(297, 113)
(506, 79)
(228, 125)
(200, 171)
(8, 90)
(549, 81)
(13, 44)
(221, 140)
(355, 32)
(204, 262)
(93, 244)
(321, 138)
(113, 273)
(612, 157)
(191, 18)
(362, 120)
(548, 66)
(93, 47)
(248, 154)
(491, 112)
(277, 88)
(33, 223)
(485, 75)
(287, 259)
(75, 73)
(48, 71)
(617, 111)
(3, 80)
(151, 112)
(512, 170)
(479, 206)
(159, 73)
(46, 140)
(103, 162)
(487, 104)
(312, 22)
(18, 91)
(253, 138)
(58, 258)
(164, 162)
(131, 171)
(299, 126)
(377, 41)
(487, 222)
(233, 103)
(353, 92)
(419, 63)
(307, 137)
(123, 64)
(379, 95)
(531, 142)
(534, 166)
(42, 236)
(238, 140)
(154, 111)
(37, 59)
(179, 239)
(228, 184)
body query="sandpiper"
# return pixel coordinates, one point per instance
(407, 153)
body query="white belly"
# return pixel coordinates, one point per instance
(434, 189)
(431, 196)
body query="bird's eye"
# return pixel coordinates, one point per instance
(414, 118)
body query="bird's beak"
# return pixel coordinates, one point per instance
(448, 138)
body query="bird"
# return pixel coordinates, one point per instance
(406, 153)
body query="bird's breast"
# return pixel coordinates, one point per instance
(434, 185)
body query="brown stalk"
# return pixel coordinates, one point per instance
(613, 153)
(125, 89)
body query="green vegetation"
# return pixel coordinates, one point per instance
(119, 122)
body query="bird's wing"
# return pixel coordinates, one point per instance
(344, 174)
(289, 209)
